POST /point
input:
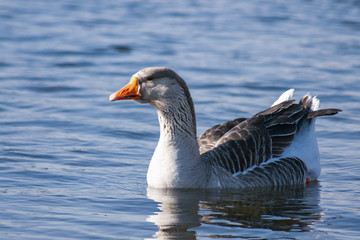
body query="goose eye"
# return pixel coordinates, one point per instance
(150, 78)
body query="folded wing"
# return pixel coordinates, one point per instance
(242, 144)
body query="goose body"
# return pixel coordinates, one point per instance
(275, 147)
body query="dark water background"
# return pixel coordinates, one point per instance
(73, 165)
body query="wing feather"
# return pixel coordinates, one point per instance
(246, 145)
(242, 145)
(208, 139)
(284, 171)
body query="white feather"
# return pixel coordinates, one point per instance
(315, 104)
(286, 96)
(305, 147)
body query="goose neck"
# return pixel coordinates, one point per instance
(177, 121)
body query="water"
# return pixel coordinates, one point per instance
(73, 165)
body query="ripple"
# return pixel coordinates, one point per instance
(53, 89)
(17, 153)
(5, 64)
(121, 48)
(68, 52)
(73, 64)
(272, 19)
(355, 25)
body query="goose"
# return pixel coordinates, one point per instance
(275, 147)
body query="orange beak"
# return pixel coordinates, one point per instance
(130, 91)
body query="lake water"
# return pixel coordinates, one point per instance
(73, 165)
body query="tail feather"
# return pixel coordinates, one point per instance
(307, 102)
(313, 104)
(323, 112)
(286, 96)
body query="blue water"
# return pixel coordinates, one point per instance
(73, 165)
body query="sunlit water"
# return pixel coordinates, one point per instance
(73, 165)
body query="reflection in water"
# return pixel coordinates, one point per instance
(178, 212)
(285, 209)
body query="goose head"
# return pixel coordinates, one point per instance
(162, 88)
(155, 85)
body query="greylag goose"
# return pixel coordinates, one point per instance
(275, 147)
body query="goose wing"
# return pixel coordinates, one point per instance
(208, 139)
(266, 135)
(284, 120)
(255, 140)
(245, 145)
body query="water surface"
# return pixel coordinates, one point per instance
(73, 165)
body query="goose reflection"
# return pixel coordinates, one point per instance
(179, 211)
(182, 212)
